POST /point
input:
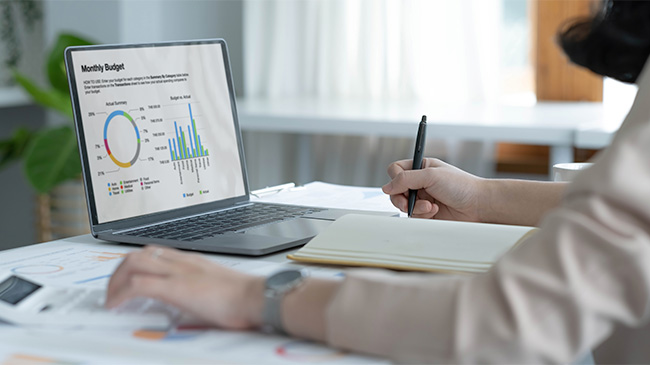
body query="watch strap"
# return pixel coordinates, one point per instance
(274, 295)
(272, 313)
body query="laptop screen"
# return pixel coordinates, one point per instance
(158, 127)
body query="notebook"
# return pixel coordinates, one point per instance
(162, 154)
(412, 244)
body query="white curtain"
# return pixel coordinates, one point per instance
(432, 50)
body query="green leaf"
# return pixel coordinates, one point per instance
(55, 61)
(13, 148)
(49, 98)
(52, 158)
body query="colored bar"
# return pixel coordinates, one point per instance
(179, 140)
(201, 147)
(206, 151)
(196, 142)
(171, 152)
(196, 136)
(176, 151)
(189, 133)
(184, 148)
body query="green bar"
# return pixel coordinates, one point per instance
(196, 138)
(180, 155)
(206, 151)
(184, 148)
(202, 151)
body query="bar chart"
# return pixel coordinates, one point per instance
(186, 145)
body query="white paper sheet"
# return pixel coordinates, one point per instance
(326, 195)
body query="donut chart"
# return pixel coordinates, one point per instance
(36, 269)
(124, 114)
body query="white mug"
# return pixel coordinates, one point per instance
(568, 171)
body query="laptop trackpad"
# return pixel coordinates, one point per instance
(295, 228)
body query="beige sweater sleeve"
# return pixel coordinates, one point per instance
(552, 299)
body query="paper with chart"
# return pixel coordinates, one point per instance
(180, 346)
(66, 262)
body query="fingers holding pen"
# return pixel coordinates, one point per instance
(406, 165)
(424, 206)
(398, 166)
(408, 179)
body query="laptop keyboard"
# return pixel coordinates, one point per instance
(209, 225)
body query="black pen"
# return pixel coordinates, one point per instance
(417, 158)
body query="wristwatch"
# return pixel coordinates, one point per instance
(276, 287)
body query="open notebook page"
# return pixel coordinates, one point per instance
(425, 242)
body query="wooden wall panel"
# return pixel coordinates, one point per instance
(555, 77)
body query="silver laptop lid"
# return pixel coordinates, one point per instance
(157, 130)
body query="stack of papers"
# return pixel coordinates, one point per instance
(412, 244)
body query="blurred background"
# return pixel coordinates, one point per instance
(356, 52)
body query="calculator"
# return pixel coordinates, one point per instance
(28, 303)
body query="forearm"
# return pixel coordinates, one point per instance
(518, 202)
(303, 310)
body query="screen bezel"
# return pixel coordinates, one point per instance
(81, 142)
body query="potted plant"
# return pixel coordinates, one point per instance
(20, 21)
(50, 155)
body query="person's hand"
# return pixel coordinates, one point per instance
(205, 290)
(444, 191)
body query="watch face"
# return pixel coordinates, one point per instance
(283, 278)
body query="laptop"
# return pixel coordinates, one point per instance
(162, 155)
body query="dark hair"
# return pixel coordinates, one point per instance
(615, 42)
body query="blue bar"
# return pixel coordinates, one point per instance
(193, 123)
(182, 146)
(176, 151)
(201, 146)
(177, 138)
(189, 132)
(170, 149)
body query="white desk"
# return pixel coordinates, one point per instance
(594, 137)
(548, 123)
(599, 133)
(84, 261)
